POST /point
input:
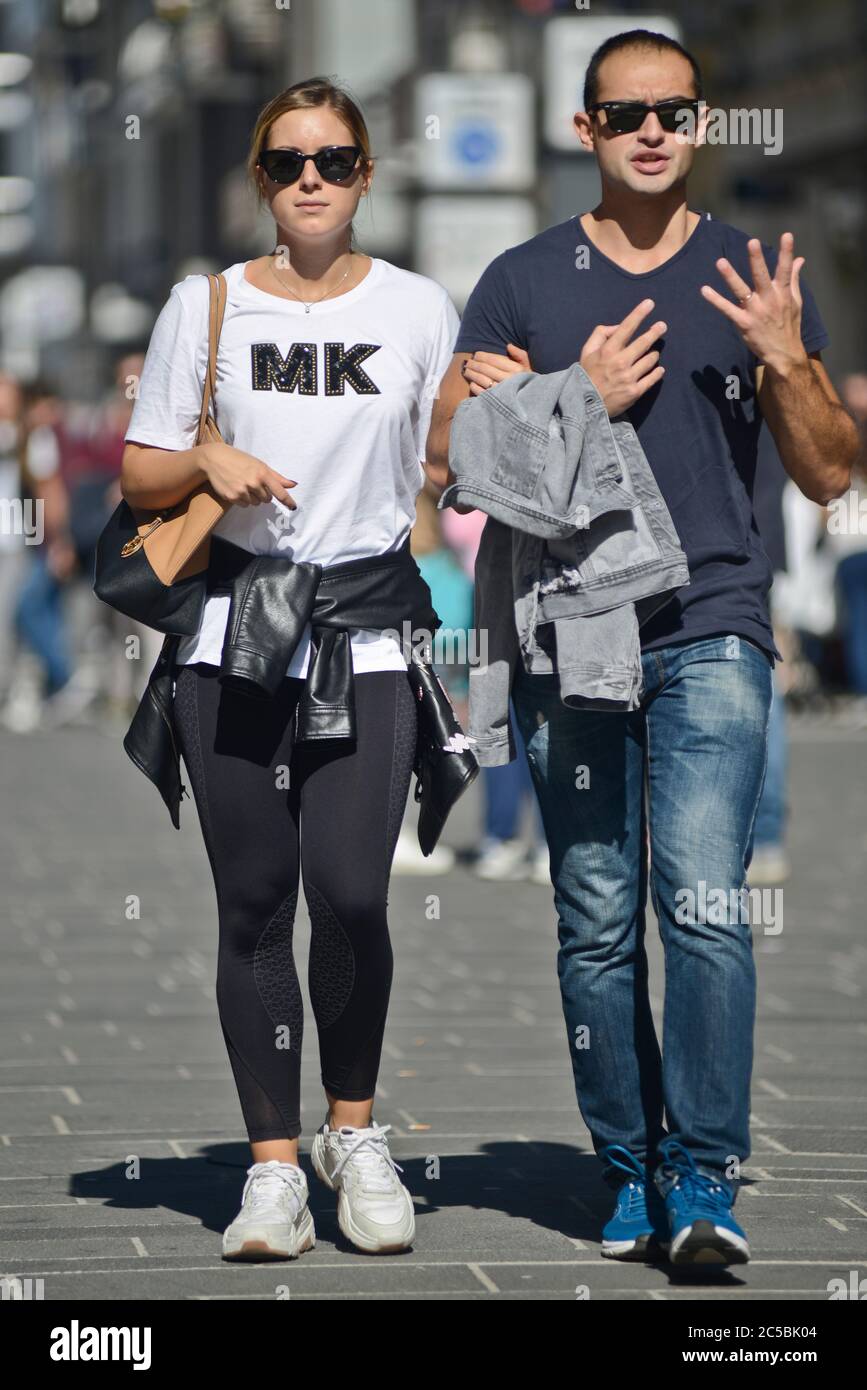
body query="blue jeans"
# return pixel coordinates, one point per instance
(771, 817)
(40, 619)
(504, 790)
(698, 745)
(852, 580)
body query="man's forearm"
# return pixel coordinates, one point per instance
(816, 438)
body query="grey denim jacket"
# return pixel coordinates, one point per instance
(579, 549)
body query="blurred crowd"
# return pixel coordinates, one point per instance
(64, 656)
(68, 659)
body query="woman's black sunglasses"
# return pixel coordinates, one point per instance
(628, 116)
(335, 163)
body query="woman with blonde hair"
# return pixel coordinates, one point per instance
(328, 363)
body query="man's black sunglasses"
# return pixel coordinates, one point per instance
(335, 163)
(628, 116)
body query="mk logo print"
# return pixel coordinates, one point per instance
(299, 369)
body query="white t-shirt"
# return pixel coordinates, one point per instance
(339, 399)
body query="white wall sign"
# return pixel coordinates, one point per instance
(475, 130)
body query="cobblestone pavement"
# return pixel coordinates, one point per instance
(112, 1053)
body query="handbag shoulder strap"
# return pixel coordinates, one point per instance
(218, 292)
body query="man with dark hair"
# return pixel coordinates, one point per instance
(628, 291)
(635, 38)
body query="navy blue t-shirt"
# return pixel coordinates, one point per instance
(699, 438)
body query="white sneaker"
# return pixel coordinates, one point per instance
(67, 703)
(274, 1222)
(769, 864)
(540, 871)
(374, 1209)
(503, 860)
(22, 711)
(408, 858)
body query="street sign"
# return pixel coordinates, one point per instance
(475, 130)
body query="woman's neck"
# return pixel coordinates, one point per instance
(312, 264)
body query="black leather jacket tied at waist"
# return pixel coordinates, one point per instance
(272, 599)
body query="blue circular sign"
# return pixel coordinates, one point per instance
(475, 144)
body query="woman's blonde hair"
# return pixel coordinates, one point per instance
(313, 91)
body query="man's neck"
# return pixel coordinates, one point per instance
(639, 236)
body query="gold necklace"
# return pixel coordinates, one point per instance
(297, 296)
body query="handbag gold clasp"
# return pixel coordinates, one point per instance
(137, 542)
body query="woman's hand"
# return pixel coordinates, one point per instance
(485, 369)
(241, 479)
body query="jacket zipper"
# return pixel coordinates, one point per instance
(168, 723)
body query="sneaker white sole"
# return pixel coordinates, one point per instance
(706, 1244)
(643, 1247)
(265, 1243)
(624, 1249)
(398, 1237)
(512, 874)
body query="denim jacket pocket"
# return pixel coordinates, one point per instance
(608, 497)
(521, 459)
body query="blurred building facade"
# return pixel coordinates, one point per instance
(124, 144)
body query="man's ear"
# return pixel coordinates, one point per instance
(584, 128)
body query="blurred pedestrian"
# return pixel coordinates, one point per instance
(846, 526)
(769, 862)
(122, 650)
(41, 615)
(12, 541)
(502, 854)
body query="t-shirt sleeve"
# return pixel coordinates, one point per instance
(166, 411)
(491, 318)
(439, 358)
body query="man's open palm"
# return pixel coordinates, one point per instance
(768, 315)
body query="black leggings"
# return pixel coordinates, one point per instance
(255, 792)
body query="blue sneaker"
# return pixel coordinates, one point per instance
(638, 1227)
(699, 1209)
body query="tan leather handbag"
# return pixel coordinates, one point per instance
(150, 564)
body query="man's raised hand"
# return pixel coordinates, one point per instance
(768, 314)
